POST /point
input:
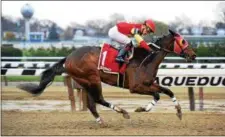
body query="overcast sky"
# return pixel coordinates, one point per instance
(65, 12)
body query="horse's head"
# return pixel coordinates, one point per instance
(175, 43)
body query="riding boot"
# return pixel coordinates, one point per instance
(121, 55)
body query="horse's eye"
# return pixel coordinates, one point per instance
(183, 42)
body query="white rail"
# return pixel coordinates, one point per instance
(165, 77)
(55, 58)
(45, 64)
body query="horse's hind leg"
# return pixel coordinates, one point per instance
(92, 107)
(171, 95)
(96, 92)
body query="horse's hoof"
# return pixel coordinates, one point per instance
(179, 112)
(140, 109)
(179, 115)
(126, 115)
(103, 125)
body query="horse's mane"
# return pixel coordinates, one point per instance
(144, 53)
(159, 40)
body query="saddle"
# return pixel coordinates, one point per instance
(107, 60)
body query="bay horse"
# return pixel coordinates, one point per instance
(141, 72)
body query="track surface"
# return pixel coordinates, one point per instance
(42, 122)
(82, 123)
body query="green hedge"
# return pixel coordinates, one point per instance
(7, 50)
(31, 78)
(52, 51)
(216, 50)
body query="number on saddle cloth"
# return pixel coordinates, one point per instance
(108, 64)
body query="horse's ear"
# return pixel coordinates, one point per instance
(172, 32)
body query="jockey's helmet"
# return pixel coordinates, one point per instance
(150, 24)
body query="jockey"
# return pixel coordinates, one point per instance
(122, 32)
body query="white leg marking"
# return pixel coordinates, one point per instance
(99, 120)
(175, 101)
(150, 105)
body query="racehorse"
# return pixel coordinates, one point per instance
(140, 73)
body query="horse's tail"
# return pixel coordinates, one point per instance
(47, 76)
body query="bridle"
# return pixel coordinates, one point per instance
(169, 51)
(149, 55)
(182, 50)
(159, 49)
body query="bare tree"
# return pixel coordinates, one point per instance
(138, 19)
(98, 25)
(76, 25)
(221, 11)
(116, 17)
(68, 33)
(182, 21)
(113, 19)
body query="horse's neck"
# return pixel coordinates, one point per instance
(138, 56)
(158, 58)
(161, 54)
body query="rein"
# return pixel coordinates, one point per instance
(158, 47)
(149, 55)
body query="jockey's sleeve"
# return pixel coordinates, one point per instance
(141, 42)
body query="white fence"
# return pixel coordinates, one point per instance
(57, 58)
(165, 77)
(42, 64)
(169, 74)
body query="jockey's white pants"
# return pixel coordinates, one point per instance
(117, 36)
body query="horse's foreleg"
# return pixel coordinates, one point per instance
(139, 86)
(153, 102)
(173, 98)
(144, 90)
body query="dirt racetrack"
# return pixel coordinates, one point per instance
(162, 121)
(82, 123)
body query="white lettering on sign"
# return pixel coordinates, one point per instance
(191, 81)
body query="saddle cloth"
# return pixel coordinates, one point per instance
(107, 60)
